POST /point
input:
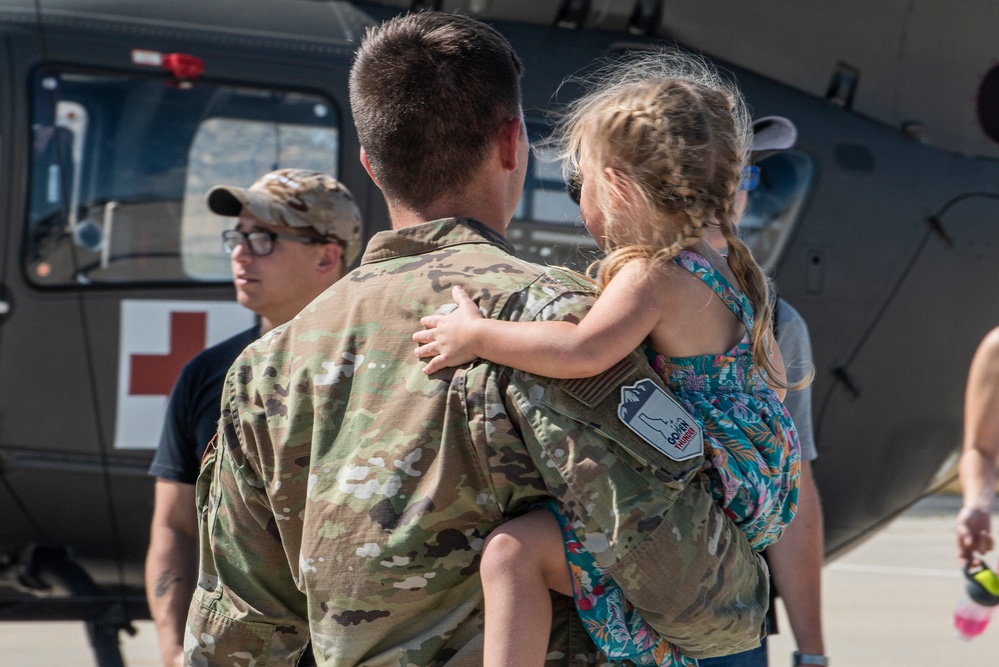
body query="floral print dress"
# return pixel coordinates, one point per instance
(752, 465)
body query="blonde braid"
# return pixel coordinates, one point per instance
(756, 286)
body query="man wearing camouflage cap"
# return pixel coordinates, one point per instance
(348, 494)
(296, 233)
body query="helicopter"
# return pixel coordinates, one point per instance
(878, 226)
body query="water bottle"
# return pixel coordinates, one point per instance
(978, 600)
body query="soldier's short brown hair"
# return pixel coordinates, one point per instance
(428, 92)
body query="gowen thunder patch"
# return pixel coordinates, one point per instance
(660, 420)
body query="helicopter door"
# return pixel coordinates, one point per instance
(122, 273)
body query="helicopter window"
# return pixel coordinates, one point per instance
(774, 206)
(544, 198)
(546, 226)
(121, 165)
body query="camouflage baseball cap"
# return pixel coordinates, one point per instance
(297, 198)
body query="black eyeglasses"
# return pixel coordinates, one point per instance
(260, 243)
(575, 187)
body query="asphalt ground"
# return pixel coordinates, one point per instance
(888, 603)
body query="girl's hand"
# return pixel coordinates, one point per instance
(448, 338)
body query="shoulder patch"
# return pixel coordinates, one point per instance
(660, 420)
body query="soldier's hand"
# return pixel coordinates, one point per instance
(449, 339)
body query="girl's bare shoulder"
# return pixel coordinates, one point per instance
(647, 270)
(652, 282)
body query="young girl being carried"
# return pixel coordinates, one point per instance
(656, 151)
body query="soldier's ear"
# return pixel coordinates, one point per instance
(367, 167)
(330, 258)
(509, 142)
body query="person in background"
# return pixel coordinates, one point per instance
(348, 495)
(796, 560)
(977, 467)
(296, 233)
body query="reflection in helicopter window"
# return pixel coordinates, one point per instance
(773, 207)
(121, 164)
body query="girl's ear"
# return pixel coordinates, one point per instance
(618, 188)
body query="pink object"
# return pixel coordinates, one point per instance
(969, 628)
(970, 617)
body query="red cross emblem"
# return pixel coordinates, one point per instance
(156, 374)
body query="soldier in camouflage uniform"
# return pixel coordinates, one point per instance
(349, 494)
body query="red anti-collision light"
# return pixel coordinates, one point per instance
(183, 65)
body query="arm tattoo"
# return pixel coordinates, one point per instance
(164, 583)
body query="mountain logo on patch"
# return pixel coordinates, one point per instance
(660, 420)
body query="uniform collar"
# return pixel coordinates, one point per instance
(431, 236)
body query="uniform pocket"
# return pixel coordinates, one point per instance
(206, 490)
(225, 639)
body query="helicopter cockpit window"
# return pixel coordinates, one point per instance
(546, 226)
(774, 206)
(121, 165)
(545, 198)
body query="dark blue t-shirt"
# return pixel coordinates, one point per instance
(193, 411)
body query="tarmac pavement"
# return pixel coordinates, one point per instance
(888, 603)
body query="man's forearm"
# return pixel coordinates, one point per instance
(171, 572)
(978, 479)
(796, 567)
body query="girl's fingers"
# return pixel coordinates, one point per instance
(430, 321)
(464, 301)
(460, 296)
(429, 350)
(433, 366)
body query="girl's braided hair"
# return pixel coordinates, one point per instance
(677, 137)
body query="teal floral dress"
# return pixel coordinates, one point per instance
(752, 456)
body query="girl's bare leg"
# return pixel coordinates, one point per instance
(521, 561)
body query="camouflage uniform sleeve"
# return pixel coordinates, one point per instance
(649, 520)
(264, 624)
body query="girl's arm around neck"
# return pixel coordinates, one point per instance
(618, 322)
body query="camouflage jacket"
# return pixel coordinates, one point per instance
(349, 494)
